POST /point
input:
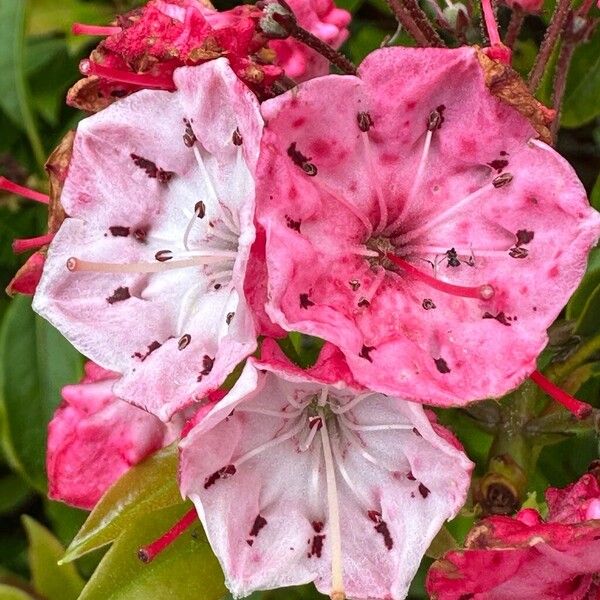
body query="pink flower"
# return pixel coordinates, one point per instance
(414, 220)
(323, 19)
(529, 6)
(525, 557)
(149, 43)
(303, 476)
(146, 275)
(94, 438)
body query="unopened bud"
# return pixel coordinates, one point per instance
(277, 21)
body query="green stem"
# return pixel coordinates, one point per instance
(559, 371)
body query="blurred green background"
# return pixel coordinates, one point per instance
(38, 62)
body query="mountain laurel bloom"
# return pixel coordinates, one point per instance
(414, 220)
(303, 476)
(145, 276)
(526, 557)
(94, 438)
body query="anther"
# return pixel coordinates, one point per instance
(148, 553)
(163, 255)
(365, 121)
(83, 29)
(237, 138)
(433, 121)
(184, 341)
(24, 192)
(580, 409)
(88, 67)
(502, 180)
(482, 292)
(200, 209)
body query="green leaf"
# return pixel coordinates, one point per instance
(595, 195)
(50, 15)
(145, 488)
(15, 97)
(8, 592)
(587, 323)
(583, 84)
(185, 570)
(587, 286)
(50, 580)
(13, 492)
(35, 363)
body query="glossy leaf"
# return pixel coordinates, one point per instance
(35, 363)
(50, 580)
(147, 487)
(587, 323)
(15, 98)
(7, 592)
(185, 570)
(583, 84)
(587, 286)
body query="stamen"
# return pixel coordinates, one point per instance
(225, 236)
(339, 463)
(354, 210)
(150, 552)
(340, 410)
(199, 209)
(360, 446)
(337, 578)
(580, 409)
(282, 414)
(482, 292)
(83, 29)
(30, 243)
(323, 397)
(20, 190)
(440, 250)
(76, 264)
(362, 251)
(382, 427)
(416, 182)
(274, 442)
(88, 67)
(204, 172)
(314, 426)
(443, 216)
(369, 293)
(383, 211)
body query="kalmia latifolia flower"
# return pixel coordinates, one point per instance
(303, 476)
(414, 220)
(145, 276)
(94, 438)
(526, 557)
(147, 44)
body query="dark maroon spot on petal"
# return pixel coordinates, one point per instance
(410, 476)
(365, 121)
(151, 169)
(424, 490)
(207, 364)
(416, 432)
(305, 301)
(237, 138)
(452, 257)
(119, 231)
(354, 284)
(503, 153)
(140, 235)
(317, 526)
(500, 317)
(259, 523)
(293, 224)
(441, 365)
(229, 317)
(184, 341)
(217, 286)
(363, 303)
(381, 528)
(223, 473)
(120, 294)
(163, 255)
(498, 164)
(249, 542)
(189, 137)
(316, 548)
(524, 237)
(518, 252)
(301, 161)
(502, 180)
(151, 348)
(365, 352)
(200, 209)
(428, 304)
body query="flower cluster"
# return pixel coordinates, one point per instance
(412, 216)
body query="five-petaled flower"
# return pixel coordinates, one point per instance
(145, 276)
(413, 219)
(305, 476)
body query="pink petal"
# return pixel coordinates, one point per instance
(94, 438)
(175, 334)
(266, 516)
(339, 161)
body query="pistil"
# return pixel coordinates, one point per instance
(23, 245)
(83, 29)
(482, 292)
(580, 409)
(148, 553)
(145, 80)
(20, 190)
